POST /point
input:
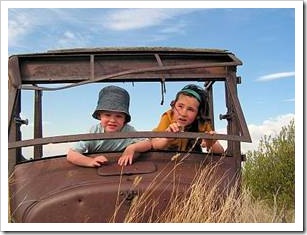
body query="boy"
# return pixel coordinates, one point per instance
(113, 113)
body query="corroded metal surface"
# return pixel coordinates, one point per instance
(125, 64)
(53, 190)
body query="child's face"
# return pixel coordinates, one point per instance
(112, 121)
(185, 110)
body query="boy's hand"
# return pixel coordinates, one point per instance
(98, 161)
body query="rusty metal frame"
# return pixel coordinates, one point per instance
(120, 77)
(122, 135)
(21, 77)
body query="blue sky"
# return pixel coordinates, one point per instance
(263, 38)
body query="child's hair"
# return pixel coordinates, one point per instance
(203, 111)
(201, 95)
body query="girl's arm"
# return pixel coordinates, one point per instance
(138, 147)
(213, 146)
(161, 143)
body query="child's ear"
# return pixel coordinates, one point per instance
(172, 103)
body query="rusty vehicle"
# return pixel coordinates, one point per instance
(50, 189)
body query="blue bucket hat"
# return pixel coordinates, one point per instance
(115, 99)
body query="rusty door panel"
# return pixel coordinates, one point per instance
(53, 190)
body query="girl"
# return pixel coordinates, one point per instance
(189, 112)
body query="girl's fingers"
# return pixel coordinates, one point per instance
(175, 127)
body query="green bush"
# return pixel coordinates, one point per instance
(269, 172)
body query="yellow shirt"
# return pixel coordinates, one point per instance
(178, 144)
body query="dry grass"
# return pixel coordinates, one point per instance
(10, 181)
(205, 202)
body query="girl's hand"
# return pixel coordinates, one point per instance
(127, 156)
(212, 145)
(208, 143)
(174, 127)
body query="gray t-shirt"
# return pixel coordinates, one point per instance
(108, 145)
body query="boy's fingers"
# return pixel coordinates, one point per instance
(101, 161)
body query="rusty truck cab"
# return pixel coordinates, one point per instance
(48, 189)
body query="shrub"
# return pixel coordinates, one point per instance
(269, 172)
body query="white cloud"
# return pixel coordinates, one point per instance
(70, 39)
(271, 127)
(276, 76)
(128, 19)
(268, 127)
(289, 100)
(177, 28)
(49, 150)
(56, 27)
(18, 25)
(46, 24)
(56, 149)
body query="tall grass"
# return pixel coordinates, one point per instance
(206, 201)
